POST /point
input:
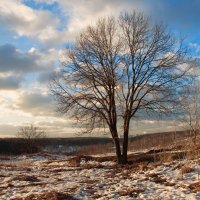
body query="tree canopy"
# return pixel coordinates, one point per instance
(118, 68)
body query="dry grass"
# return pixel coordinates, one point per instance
(4, 157)
(184, 169)
(74, 162)
(96, 149)
(195, 187)
(17, 165)
(134, 192)
(176, 141)
(48, 196)
(165, 149)
(27, 178)
(158, 179)
(21, 163)
(165, 157)
(91, 165)
(88, 181)
(143, 166)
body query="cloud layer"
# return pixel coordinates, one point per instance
(25, 21)
(48, 26)
(12, 60)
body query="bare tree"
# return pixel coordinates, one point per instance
(30, 134)
(190, 102)
(118, 69)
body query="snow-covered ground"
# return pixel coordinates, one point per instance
(24, 176)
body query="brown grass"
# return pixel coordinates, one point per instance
(19, 164)
(143, 166)
(91, 166)
(96, 149)
(158, 179)
(195, 187)
(168, 141)
(88, 181)
(186, 169)
(27, 178)
(134, 192)
(48, 196)
(74, 162)
(165, 157)
(4, 157)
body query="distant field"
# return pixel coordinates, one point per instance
(94, 144)
(164, 165)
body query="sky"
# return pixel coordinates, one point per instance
(33, 36)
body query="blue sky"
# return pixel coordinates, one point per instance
(34, 34)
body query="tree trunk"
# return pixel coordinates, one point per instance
(125, 148)
(125, 142)
(194, 137)
(118, 150)
(116, 140)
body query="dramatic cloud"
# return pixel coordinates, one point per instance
(10, 82)
(37, 104)
(34, 34)
(57, 128)
(12, 60)
(45, 77)
(80, 13)
(84, 12)
(45, 25)
(8, 130)
(17, 67)
(25, 21)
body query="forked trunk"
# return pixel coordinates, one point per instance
(121, 154)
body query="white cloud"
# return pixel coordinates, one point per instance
(30, 103)
(36, 103)
(10, 82)
(85, 12)
(13, 60)
(25, 21)
(22, 108)
(43, 24)
(27, 69)
(195, 47)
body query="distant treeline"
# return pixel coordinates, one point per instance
(19, 146)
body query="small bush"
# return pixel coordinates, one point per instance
(27, 178)
(74, 162)
(195, 187)
(186, 169)
(48, 196)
